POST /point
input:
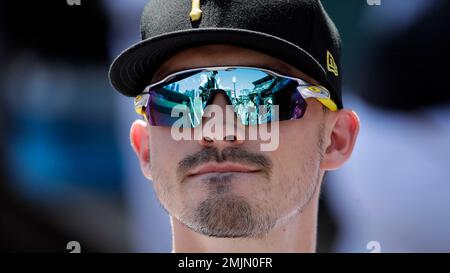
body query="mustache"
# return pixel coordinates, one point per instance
(229, 154)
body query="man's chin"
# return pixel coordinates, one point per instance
(227, 216)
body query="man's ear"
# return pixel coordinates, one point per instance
(140, 139)
(341, 139)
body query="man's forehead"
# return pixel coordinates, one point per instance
(225, 55)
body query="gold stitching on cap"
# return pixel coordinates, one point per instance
(196, 12)
(331, 64)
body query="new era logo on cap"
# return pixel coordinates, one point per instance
(331, 64)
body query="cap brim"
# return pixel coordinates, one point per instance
(134, 68)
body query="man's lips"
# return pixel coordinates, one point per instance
(221, 168)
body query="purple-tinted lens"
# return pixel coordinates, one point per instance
(291, 103)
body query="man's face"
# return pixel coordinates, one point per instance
(231, 188)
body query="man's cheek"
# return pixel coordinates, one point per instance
(270, 136)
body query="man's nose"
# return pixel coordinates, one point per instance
(229, 123)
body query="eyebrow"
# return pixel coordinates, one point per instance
(284, 70)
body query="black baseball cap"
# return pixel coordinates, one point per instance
(298, 32)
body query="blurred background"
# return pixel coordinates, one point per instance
(67, 171)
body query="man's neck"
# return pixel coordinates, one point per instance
(296, 234)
